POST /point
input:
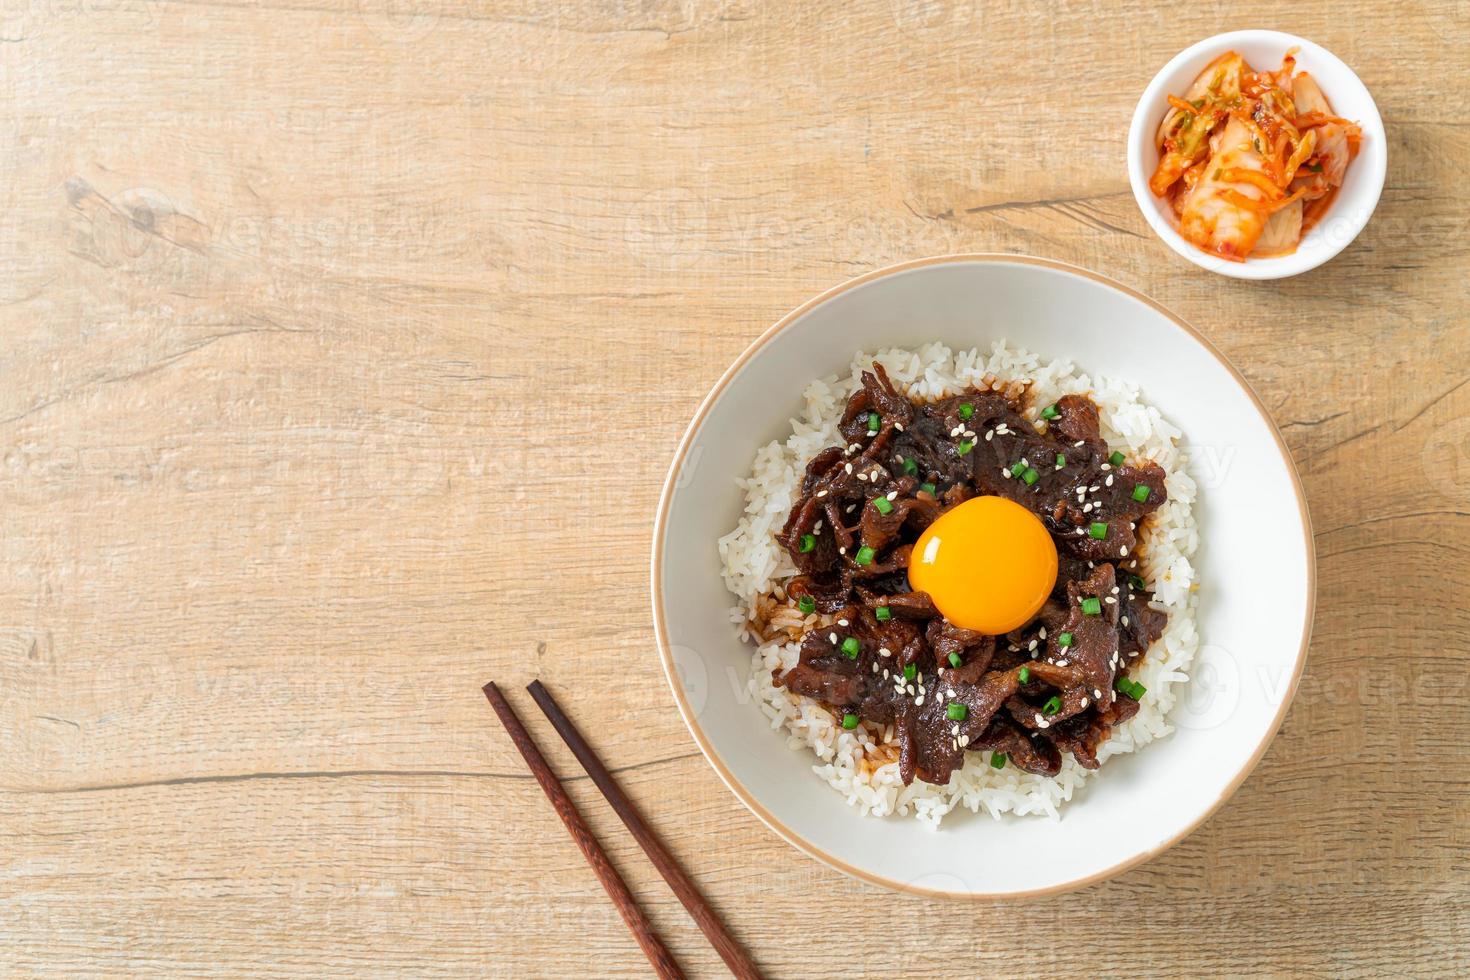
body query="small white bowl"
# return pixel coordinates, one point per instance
(1254, 563)
(1355, 202)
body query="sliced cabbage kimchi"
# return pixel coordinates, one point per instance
(1250, 160)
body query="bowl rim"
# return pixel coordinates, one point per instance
(660, 629)
(1267, 267)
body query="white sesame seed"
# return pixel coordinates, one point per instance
(1085, 702)
(1081, 530)
(1096, 693)
(1110, 600)
(1105, 467)
(850, 508)
(863, 477)
(989, 434)
(954, 730)
(893, 495)
(1109, 481)
(1079, 442)
(832, 637)
(842, 622)
(1013, 647)
(842, 551)
(885, 673)
(1031, 645)
(1125, 620)
(898, 426)
(964, 740)
(1115, 590)
(847, 467)
(969, 433)
(1005, 472)
(817, 527)
(1025, 461)
(1124, 550)
(1093, 489)
(1086, 508)
(1042, 633)
(884, 652)
(821, 493)
(919, 700)
(1063, 663)
(875, 666)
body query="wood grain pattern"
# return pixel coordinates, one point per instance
(306, 307)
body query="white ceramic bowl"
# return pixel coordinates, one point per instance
(1355, 202)
(1255, 564)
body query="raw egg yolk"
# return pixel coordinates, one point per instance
(988, 564)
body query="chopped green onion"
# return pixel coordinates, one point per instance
(850, 646)
(1092, 606)
(1024, 676)
(1050, 412)
(882, 506)
(873, 423)
(1130, 687)
(1064, 639)
(864, 555)
(955, 660)
(1116, 459)
(1053, 706)
(1140, 493)
(910, 467)
(1098, 529)
(808, 542)
(967, 411)
(964, 447)
(955, 711)
(1061, 461)
(910, 672)
(807, 604)
(1018, 469)
(927, 488)
(1030, 477)
(1137, 582)
(849, 721)
(883, 613)
(998, 760)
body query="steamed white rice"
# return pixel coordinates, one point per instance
(858, 764)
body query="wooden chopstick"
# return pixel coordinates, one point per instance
(714, 930)
(653, 947)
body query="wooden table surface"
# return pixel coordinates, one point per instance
(343, 347)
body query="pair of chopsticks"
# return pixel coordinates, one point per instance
(658, 954)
